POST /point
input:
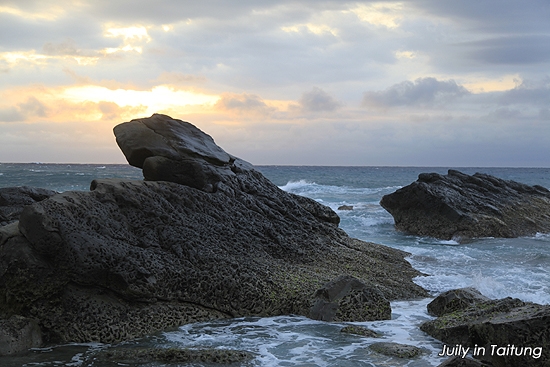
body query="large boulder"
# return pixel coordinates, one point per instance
(506, 332)
(129, 258)
(459, 206)
(173, 150)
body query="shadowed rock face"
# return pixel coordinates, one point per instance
(132, 257)
(459, 206)
(13, 199)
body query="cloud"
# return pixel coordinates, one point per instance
(317, 100)
(243, 103)
(179, 79)
(23, 111)
(511, 50)
(421, 92)
(11, 114)
(528, 92)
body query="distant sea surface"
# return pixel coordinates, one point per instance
(497, 267)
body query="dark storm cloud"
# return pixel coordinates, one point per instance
(421, 92)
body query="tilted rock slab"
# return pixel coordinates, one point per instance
(515, 326)
(459, 206)
(132, 257)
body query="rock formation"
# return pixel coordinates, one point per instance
(129, 258)
(13, 199)
(514, 333)
(459, 206)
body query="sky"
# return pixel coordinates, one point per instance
(300, 82)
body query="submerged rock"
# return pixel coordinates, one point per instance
(397, 350)
(129, 258)
(360, 330)
(512, 332)
(459, 206)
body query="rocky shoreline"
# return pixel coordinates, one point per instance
(129, 258)
(205, 236)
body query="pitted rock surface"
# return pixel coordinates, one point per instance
(455, 300)
(459, 206)
(346, 298)
(129, 258)
(502, 322)
(13, 199)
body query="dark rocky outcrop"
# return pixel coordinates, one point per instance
(346, 298)
(455, 300)
(18, 334)
(128, 258)
(460, 206)
(501, 323)
(176, 151)
(13, 199)
(147, 356)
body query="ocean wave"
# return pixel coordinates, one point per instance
(305, 187)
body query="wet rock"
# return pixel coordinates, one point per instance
(455, 300)
(18, 334)
(360, 330)
(346, 298)
(129, 258)
(397, 350)
(139, 356)
(459, 206)
(345, 207)
(13, 199)
(498, 324)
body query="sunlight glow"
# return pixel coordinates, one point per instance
(317, 29)
(130, 34)
(484, 85)
(405, 54)
(381, 14)
(156, 99)
(53, 13)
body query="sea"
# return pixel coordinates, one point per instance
(497, 267)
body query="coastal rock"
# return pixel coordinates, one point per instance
(513, 332)
(18, 334)
(360, 330)
(346, 298)
(138, 356)
(13, 199)
(455, 300)
(345, 207)
(173, 150)
(397, 350)
(129, 258)
(459, 206)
